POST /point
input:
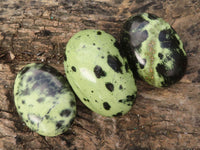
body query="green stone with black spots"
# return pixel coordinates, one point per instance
(154, 50)
(98, 73)
(44, 99)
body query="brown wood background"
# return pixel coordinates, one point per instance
(161, 119)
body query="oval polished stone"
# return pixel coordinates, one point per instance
(154, 50)
(44, 99)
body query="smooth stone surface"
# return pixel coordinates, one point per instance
(154, 50)
(98, 74)
(44, 99)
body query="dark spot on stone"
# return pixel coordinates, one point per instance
(18, 107)
(40, 100)
(177, 71)
(102, 57)
(96, 101)
(74, 68)
(98, 48)
(120, 101)
(29, 79)
(72, 103)
(120, 87)
(47, 117)
(130, 98)
(65, 113)
(92, 91)
(160, 68)
(109, 86)
(98, 32)
(85, 99)
(152, 16)
(160, 55)
(117, 45)
(142, 65)
(126, 66)
(93, 44)
(118, 114)
(65, 57)
(40, 76)
(71, 121)
(23, 101)
(24, 70)
(114, 63)
(20, 113)
(106, 106)
(168, 39)
(99, 72)
(25, 92)
(59, 124)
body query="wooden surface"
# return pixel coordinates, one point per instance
(35, 31)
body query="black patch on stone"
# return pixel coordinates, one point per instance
(160, 55)
(85, 99)
(120, 87)
(99, 72)
(114, 63)
(72, 103)
(126, 66)
(168, 39)
(23, 101)
(152, 16)
(40, 100)
(59, 124)
(50, 70)
(74, 68)
(65, 57)
(118, 114)
(130, 98)
(173, 75)
(92, 91)
(117, 45)
(106, 106)
(93, 44)
(71, 121)
(47, 117)
(99, 33)
(29, 79)
(24, 70)
(65, 113)
(141, 65)
(121, 101)
(25, 92)
(110, 86)
(98, 48)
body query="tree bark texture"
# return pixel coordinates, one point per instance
(161, 118)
